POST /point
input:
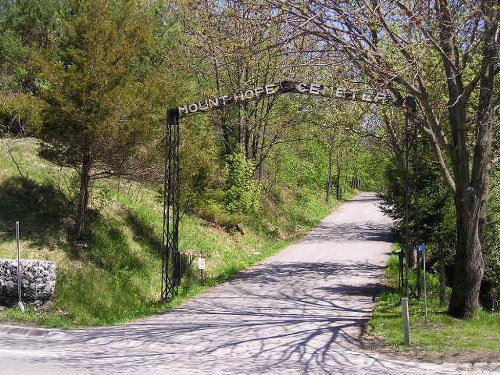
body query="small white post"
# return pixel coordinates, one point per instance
(406, 320)
(18, 241)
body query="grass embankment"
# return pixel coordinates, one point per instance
(442, 337)
(115, 274)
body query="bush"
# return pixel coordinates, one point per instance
(242, 190)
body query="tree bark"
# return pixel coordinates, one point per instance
(471, 196)
(329, 183)
(469, 264)
(337, 183)
(83, 198)
(411, 258)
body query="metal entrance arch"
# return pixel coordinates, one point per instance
(171, 268)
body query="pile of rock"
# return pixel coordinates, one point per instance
(38, 280)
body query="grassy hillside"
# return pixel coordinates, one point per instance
(115, 275)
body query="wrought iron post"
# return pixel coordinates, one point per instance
(170, 239)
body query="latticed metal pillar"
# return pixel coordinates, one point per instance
(170, 243)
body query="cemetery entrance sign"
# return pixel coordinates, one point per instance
(382, 96)
(170, 239)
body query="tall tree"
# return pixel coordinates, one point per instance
(102, 87)
(411, 44)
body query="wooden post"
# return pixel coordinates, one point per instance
(406, 320)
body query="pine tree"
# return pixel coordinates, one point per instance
(99, 97)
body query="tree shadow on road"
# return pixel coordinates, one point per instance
(256, 323)
(349, 232)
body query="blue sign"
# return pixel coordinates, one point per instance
(421, 247)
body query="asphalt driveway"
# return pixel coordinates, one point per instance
(300, 311)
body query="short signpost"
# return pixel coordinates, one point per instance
(201, 264)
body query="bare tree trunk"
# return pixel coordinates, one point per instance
(471, 199)
(329, 183)
(337, 183)
(355, 182)
(261, 154)
(410, 251)
(83, 199)
(471, 194)
(469, 265)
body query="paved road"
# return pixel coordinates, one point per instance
(301, 311)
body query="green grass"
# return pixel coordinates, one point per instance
(114, 275)
(442, 333)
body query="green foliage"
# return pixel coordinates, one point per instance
(20, 113)
(370, 167)
(433, 207)
(35, 22)
(92, 80)
(243, 192)
(28, 28)
(114, 276)
(103, 82)
(24, 25)
(95, 94)
(435, 214)
(200, 174)
(13, 56)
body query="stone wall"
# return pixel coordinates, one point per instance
(38, 280)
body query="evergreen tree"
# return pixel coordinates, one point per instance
(100, 87)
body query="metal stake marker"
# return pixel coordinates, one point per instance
(18, 241)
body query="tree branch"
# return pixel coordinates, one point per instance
(438, 154)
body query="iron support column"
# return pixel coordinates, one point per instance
(170, 239)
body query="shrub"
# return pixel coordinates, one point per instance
(242, 190)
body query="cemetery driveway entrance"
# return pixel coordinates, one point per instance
(300, 311)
